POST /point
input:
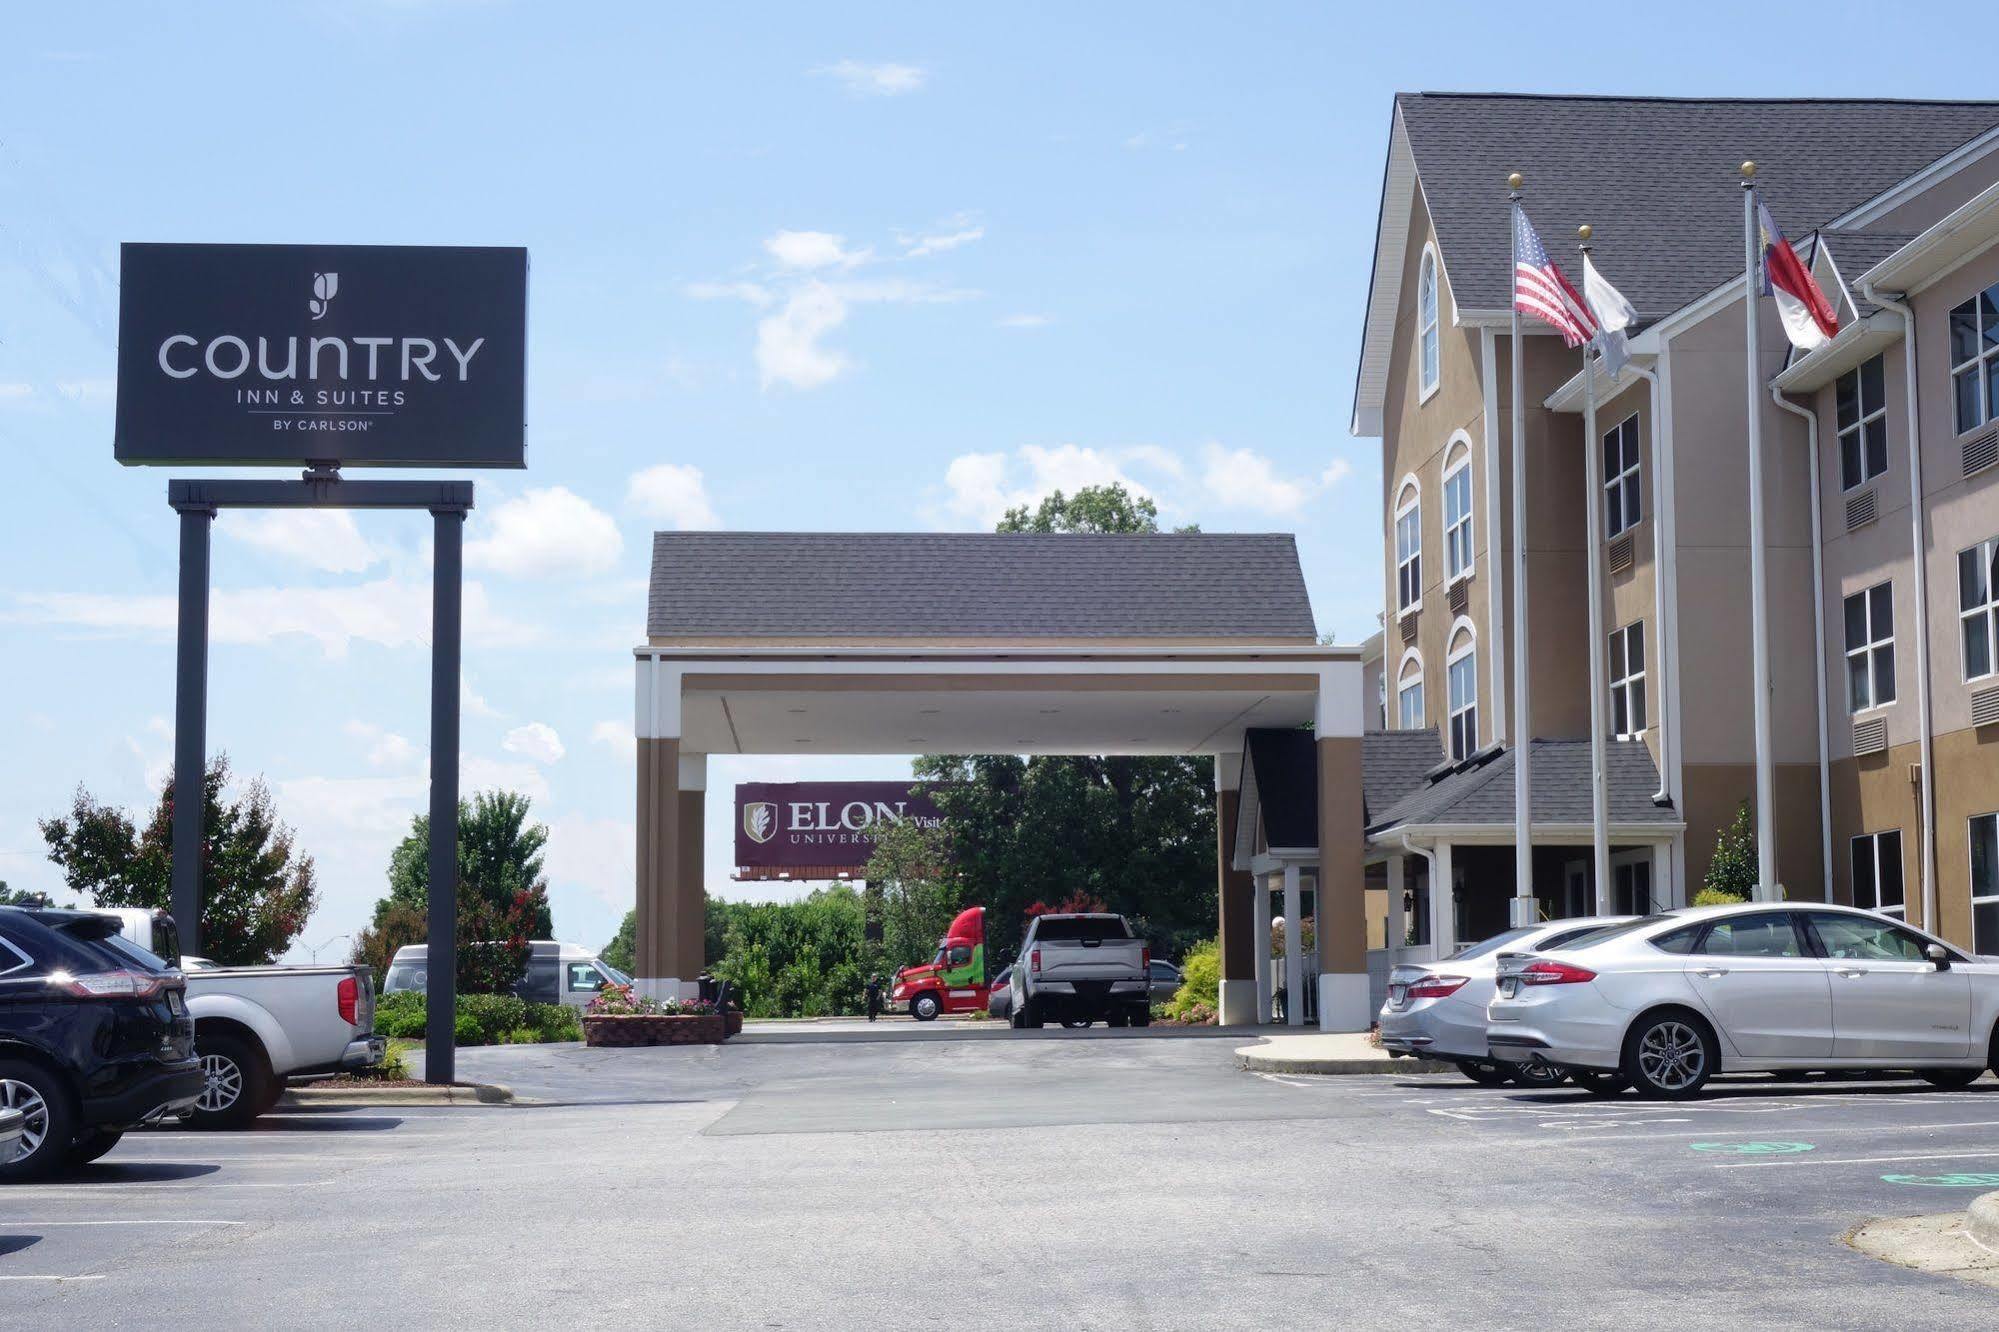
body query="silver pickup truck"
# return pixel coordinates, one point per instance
(1078, 969)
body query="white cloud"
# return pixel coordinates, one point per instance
(980, 487)
(484, 774)
(1244, 479)
(809, 251)
(154, 749)
(1024, 321)
(324, 539)
(535, 740)
(391, 612)
(1338, 470)
(547, 533)
(751, 293)
(16, 392)
(788, 347)
(983, 486)
(471, 702)
(939, 244)
(878, 79)
(672, 493)
(595, 855)
(386, 749)
(617, 734)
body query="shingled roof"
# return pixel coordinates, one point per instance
(792, 585)
(1480, 790)
(1854, 252)
(1653, 176)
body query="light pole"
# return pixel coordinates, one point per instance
(314, 950)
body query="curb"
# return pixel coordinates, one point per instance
(1981, 1221)
(468, 1093)
(1256, 1059)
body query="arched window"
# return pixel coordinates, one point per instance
(1426, 321)
(1457, 508)
(1408, 547)
(1461, 672)
(1409, 692)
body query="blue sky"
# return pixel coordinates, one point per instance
(883, 267)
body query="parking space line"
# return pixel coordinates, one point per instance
(93, 1276)
(149, 1186)
(1859, 1160)
(175, 1221)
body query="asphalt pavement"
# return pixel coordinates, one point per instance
(1113, 1183)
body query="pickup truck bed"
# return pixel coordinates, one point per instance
(1082, 968)
(255, 1027)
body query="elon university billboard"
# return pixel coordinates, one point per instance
(822, 825)
(362, 355)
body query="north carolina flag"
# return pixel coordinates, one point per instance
(1809, 321)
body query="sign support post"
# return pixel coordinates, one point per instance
(441, 988)
(191, 722)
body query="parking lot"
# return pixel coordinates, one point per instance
(1081, 1180)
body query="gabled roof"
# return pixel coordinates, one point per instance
(1280, 780)
(1853, 253)
(788, 586)
(1653, 177)
(1480, 790)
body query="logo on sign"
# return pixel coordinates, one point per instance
(760, 821)
(324, 286)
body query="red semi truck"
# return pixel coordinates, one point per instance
(955, 980)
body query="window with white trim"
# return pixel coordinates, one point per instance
(1627, 681)
(1870, 648)
(1461, 675)
(1861, 406)
(1409, 549)
(1974, 359)
(1978, 607)
(1426, 321)
(1409, 694)
(1457, 514)
(1985, 883)
(1622, 496)
(1877, 873)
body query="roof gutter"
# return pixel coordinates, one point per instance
(1914, 403)
(1818, 638)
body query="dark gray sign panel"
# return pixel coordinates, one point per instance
(360, 355)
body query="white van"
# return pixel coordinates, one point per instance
(558, 973)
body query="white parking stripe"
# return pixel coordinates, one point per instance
(179, 1221)
(94, 1276)
(149, 1186)
(1859, 1160)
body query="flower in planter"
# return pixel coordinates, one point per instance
(619, 1001)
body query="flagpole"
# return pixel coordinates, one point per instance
(1523, 912)
(1767, 888)
(1598, 677)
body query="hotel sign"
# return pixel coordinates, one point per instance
(355, 355)
(823, 825)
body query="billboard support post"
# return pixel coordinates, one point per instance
(448, 503)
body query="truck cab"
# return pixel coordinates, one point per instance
(954, 980)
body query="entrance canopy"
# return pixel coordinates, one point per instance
(1013, 643)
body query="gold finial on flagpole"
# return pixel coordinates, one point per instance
(1748, 170)
(1515, 181)
(1583, 233)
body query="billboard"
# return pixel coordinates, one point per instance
(822, 826)
(304, 355)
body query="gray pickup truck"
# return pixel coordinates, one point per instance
(1078, 969)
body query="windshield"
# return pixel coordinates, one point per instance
(1492, 945)
(617, 977)
(1591, 938)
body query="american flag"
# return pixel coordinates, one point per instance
(1540, 288)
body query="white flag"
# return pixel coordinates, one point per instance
(1613, 315)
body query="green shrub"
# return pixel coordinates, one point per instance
(1717, 897)
(483, 1019)
(400, 1015)
(554, 1022)
(494, 1014)
(520, 1036)
(393, 1068)
(465, 1031)
(1200, 981)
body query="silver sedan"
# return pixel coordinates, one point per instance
(1437, 1009)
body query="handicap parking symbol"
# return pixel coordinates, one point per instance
(1960, 1180)
(1754, 1148)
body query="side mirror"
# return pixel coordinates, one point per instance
(1937, 954)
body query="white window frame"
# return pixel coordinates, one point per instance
(1458, 559)
(1625, 479)
(1873, 852)
(1461, 742)
(1986, 553)
(1980, 364)
(1858, 430)
(1868, 650)
(1409, 563)
(1429, 336)
(1627, 683)
(21, 959)
(1989, 897)
(1405, 684)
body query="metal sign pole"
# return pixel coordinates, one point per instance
(191, 723)
(441, 985)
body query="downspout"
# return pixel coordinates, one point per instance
(1818, 634)
(1664, 795)
(1928, 786)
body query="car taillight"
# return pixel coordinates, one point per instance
(1034, 961)
(1436, 987)
(1145, 959)
(111, 984)
(349, 999)
(1555, 973)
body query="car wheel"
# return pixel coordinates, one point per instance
(1669, 1055)
(1949, 1078)
(1597, 1083)
(1077, 1024)
(93, 1144)
(924, 1007)
(1538, 1076)
(43, 1100)
(236, 1083)
(1484, 1074)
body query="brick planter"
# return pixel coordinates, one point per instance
(654, 1029)
(733, 1023)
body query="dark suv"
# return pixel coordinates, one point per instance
(94, 1037)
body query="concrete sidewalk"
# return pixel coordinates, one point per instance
(1328, 1053)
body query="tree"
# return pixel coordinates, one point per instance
(796, 959)
(20, 896)
(502, 894)
(1731, 875)
(1109, 508)
(919, 892)
(257, 889)
(622, 951)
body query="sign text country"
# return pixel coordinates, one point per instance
(355, 355)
